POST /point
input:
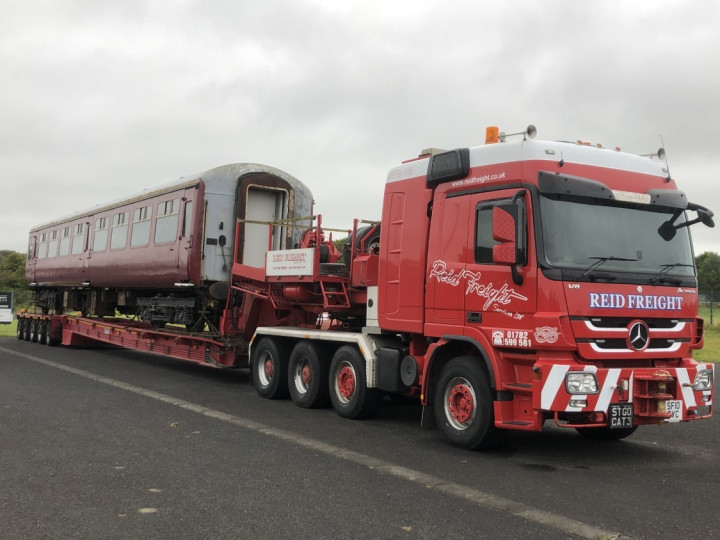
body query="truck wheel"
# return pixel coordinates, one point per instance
(20, 328)
(605, 433)
(308, 375)
(42, 332)
(51, 341)
(349, 393)
(34, 331)
(370, 236)
(26, 329)
(366, 235)
(463, 405)
(269, 368)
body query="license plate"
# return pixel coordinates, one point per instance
(674, 407)
(620, 415)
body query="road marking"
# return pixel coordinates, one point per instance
(481, 498)
(148, 510)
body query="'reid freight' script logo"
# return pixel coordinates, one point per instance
(504, 295)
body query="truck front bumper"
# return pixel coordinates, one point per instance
(577, 395)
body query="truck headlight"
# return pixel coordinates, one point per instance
(703, 380)
(581, 382)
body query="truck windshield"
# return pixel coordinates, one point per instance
(578, 232)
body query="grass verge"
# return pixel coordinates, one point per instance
(9, 330)
(711, 350)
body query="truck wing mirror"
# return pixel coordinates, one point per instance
(508, 224)
(706, 217)
(504, 224)
(668, 228)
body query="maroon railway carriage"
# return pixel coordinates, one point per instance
(158, 253)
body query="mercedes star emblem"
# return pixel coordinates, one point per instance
(639, 336)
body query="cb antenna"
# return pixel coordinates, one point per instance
(664, 157)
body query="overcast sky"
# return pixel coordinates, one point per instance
(102, 99)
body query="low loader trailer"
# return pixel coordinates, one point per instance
(505, 286)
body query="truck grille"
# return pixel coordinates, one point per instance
(611, 335)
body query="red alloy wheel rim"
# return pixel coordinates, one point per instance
(461, 403)
(346, 382)
(306, 374)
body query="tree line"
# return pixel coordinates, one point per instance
(12, 275)
(708, 265)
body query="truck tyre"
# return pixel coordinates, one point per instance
(370, 236)
(42, 332)
(269, 368)
(349, 393)
(463, 404)
(308, 375)
(364, 235)
(20, 328)
(26, 329)
(34, 330)
(51, 341)
(605, 433)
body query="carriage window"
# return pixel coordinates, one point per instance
(65, 242)
(78, 238)
(140, 235)
(187, 219)
(101, 234)
(118, 238)
(53, 244)
(42, 247)
(167, 221)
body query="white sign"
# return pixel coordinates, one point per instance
(289, 262)
(6, 304)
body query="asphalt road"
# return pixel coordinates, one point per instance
(105, 443)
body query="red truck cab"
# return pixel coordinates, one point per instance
(550, 279)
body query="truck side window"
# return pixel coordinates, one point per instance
(484, 240)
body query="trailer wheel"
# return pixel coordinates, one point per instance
(463, 404)
(605, 433)
(308, 376)
(349, 393)
(42, 332)
(34, 331)
(269, 368)
(20, 328)
(52, 341)
(26, 329)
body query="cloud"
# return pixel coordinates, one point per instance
(101, 99)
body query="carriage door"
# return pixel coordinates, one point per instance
(187, 204)
(31, 259)
(262, 205)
